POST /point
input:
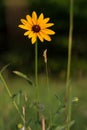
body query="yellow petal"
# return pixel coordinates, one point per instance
(45, 36)
(24, 21)
(23, 27)
(29, 19)
(44, 26)
(34, 15)
(49, 24)
(40, 19)
(48, 31)
(46, 20)
(30, 34)
(34, 38)
(26, 33)
(27, 24)
(34, 18)
(39, 36)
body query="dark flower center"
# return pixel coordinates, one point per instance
(36, 28)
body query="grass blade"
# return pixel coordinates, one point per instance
(22, 75)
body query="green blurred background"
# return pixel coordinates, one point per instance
(17, 50)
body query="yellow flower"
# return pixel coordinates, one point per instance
(37, 27)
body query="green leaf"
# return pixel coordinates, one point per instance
(62, 127)
(3, 68)
(20, 74)
(72, 122)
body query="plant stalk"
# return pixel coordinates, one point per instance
(68, 93)
(10, 95)
(48, 87)
(36, 78)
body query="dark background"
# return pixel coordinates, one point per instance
(17, 49)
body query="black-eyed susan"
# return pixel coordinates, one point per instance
(37, 27)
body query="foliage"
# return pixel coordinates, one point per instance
(9, 117)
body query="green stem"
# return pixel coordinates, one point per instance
(68, 107)
(48, 93)
(9, 93)
(36, 77)
(47, 81)
(24, 115)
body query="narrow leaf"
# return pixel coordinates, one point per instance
(20, 74)
(62, 127)
(3, 68)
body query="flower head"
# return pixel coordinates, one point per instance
(37, 27)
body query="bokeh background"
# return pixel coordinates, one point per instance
(17, 50)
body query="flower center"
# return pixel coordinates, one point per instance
(36, 28)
